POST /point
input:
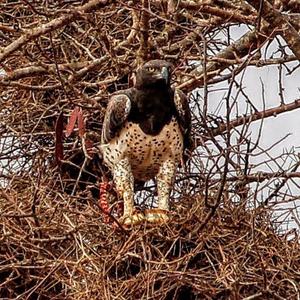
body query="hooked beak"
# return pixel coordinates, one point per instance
(164, 74)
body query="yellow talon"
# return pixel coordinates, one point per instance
(157, 216)
(131, 220)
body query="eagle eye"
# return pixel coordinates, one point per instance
(151, 69)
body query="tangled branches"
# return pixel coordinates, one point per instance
(65, 251)
(226, 238)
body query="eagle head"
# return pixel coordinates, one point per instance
(153, 73)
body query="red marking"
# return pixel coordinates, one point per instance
(103, 203)
(72, 121)
(105, 186)
(81, 123)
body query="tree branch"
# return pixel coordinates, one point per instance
(242, 47)
(144, 33)
(274, 17)
(271, 112)
(52, 25)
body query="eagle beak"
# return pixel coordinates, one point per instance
(165, 74)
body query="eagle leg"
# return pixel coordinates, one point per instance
(124, 182)
(165, 178)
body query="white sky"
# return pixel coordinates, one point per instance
(274, 128)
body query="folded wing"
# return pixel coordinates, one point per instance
(116, 115)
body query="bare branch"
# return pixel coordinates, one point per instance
(271, 112)
(50, 26)
(274, 17)
(242, 47)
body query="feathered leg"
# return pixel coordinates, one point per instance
(165, 179)
(124, 182)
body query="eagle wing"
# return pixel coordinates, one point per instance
(184, 117)
(116, 114)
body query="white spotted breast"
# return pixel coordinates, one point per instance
(145, 152)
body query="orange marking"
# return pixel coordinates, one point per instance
(104, 186)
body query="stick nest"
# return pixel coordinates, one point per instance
(65, 251)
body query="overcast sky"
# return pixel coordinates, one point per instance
(274, 128)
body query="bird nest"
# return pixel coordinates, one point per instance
(57, 246)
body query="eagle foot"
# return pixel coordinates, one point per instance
(131, 220)
(157, 216)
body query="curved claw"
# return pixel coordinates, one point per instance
(131, 220)
(157, 216)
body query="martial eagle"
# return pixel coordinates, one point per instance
(146, 130)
